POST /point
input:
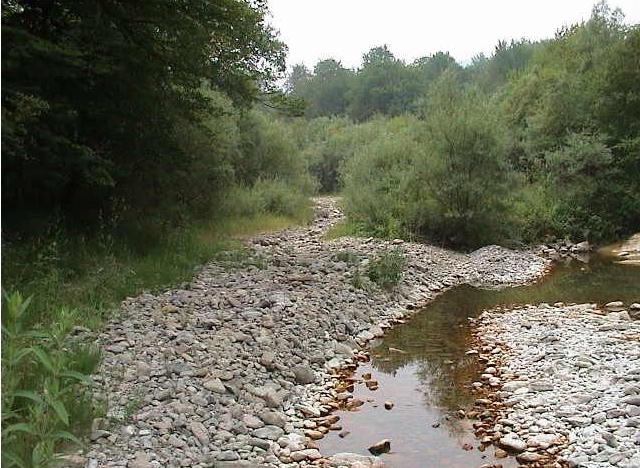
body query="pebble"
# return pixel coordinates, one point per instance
(222, 369)
(588, 379)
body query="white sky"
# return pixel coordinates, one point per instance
(346, 29)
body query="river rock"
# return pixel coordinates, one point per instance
(304, 375)
(215, 371)
(215, 385)
(614, 306)
(354, 460)
(380, 447)
(581, 386)
(515, 445)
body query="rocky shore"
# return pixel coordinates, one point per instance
(565, 384)
(238, 368)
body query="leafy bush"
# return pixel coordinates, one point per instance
(385, 269)
(378, 179)
(462, 185)
(45, 385)
(267, 197)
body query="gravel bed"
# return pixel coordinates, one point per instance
(237, 368)
(566, 383)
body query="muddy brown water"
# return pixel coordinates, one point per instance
(422, 368)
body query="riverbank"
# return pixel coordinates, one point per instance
(235, 368)
(627, 252)
(564, 384)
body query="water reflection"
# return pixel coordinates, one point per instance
(422, 367)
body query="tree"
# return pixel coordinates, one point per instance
(462, 183)
(324, 90)
(383, 85)
(96, 96)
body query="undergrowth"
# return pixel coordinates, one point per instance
(385, 269)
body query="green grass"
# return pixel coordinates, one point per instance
(341, 229)
(74, 281)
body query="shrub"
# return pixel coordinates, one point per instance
(385, 269)
(44, 385)
(377, 180)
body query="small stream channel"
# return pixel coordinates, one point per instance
(422, 368)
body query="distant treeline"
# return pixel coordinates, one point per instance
(136, 116)
(540, 140)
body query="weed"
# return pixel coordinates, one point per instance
(357, 280)
(347, 256)
(42, 378)
(386, 268)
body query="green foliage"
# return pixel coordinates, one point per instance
(385, 269)
(45, 385)
(441, 177)
(325, 90)
(462, 179)
(572, 113)
(537, 140)
(378, 178)
(356, 279)
(507, 60)
(384, 85)
(267, 196)
(107, 106)
(328, 144)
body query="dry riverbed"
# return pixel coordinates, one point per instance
(238, 368)
(565, 384)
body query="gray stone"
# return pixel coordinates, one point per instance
(261, 443)
(354, 460)
(273, 418)
(141, 460)
(579, 421)
(237, 464)
(512, 444)
(200, 432)
(304, 375)
(614, 305)
(268, 432)
(541, 386)
(253, 422)
(215, 385)
(227, 455)
(306, 454)
(632, 400)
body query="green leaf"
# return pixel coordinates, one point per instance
(77, 376)
(18, 427)
(60, 410)
(66, 435)
(30, 395)
(44, 358)
(8, 455)
(41, 453)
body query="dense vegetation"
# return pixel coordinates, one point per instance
(538, 141)
(135, 138)
(137, 135)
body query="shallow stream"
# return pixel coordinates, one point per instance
(422, 368)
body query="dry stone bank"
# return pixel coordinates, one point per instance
(235, 368)
(566, 380)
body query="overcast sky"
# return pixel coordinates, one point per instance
(346, 29)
